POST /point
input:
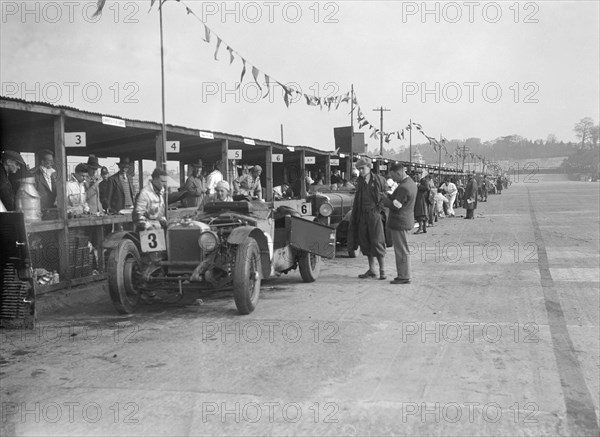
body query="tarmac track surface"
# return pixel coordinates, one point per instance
(496, 335)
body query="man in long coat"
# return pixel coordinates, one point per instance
(121, 193)
(366, 224)
(470, 197)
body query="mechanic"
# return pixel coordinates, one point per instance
(149, 209)
(249, 184)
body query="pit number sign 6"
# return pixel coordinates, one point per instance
(306, 208)
(152, 240)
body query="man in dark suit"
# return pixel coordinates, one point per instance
(121, 193)
(470, 198)
(401, 219)
(45, 179)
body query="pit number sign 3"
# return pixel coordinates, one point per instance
(153, 240)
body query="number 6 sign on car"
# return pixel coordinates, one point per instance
(152, 240)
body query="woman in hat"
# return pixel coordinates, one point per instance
(366, 224)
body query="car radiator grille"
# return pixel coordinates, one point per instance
(183, 246)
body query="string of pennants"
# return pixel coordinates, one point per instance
(290, 92)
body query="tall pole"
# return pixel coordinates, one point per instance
(281, 133)
(381, 109)
(440, 159)
(350, 163)
(162, 86)
(410, 144)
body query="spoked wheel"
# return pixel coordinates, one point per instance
(246, 276)
(123, 268)
(310, 266)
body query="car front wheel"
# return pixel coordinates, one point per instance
(123, 268)
(246, 276)
(310, 266)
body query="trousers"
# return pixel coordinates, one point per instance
(401, 251)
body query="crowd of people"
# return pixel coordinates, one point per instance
(385, 211)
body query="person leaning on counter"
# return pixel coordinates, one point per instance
(76, 197)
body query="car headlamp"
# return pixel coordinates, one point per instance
(326, 209)
(208, 241)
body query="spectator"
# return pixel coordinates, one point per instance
(249, 184)
(439, 200)
(12, 162)
(282, 191)
(120, 188)
(421, 206)
(450, 192)
(76, 196)
(214, 177)
(93, 186)
(195, 187)
(499, 184)
(401, 219)
(366, 225)
(470, 202)
(222, 192)
(103, 188)
(45, 179)
(336, 178)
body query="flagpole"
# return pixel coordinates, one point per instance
(162, 85)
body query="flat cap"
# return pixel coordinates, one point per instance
(15, 156)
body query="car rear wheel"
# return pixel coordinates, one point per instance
(246, 276)
(310, 266)
(123, 268)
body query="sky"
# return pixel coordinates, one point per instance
(459, 69)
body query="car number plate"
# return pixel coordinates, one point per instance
(152, 240)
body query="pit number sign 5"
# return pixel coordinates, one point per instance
(153, 240)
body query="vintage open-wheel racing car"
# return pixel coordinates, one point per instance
(228, 245)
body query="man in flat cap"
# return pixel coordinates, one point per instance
(249, 184)
(366, 224)
(121, 193)
(195, 187)
(12, 162)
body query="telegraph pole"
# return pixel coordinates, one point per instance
(350, 162)
(381, 109)
(465, 148)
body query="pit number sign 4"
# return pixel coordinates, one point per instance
(172, 146)
(153, 240)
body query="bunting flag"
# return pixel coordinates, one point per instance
(287, 94)
(217, 49)
(267, 84)
(99, 7)
(363, 123)
(231, 57)
(206, 32)
(255, 75)
(243, 74)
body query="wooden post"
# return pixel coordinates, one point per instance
(269, 174)
(60, 157)
(225, 161)
(141, 174)
(302, 175)
(182, 174)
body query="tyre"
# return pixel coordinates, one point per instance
(310, 266)
(123, 267)
(246, 276)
